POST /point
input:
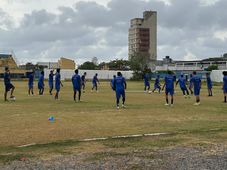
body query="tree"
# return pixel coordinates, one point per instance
(139, 65)
(212, 67)
(88, 66)
(225, 55)
(119, 64)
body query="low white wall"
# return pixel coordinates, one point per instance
(102, 74)
(217, 76)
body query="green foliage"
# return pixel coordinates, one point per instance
(88, 66)
(139, 65)
(225, 55)
(212, 67)
(119, 64)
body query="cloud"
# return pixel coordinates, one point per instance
(5, 21)
(186, 29)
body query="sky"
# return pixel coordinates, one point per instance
(45, 30)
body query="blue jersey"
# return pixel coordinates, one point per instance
(169, 81)
(182, 82)
(157, 81)
(57, 80)
(225, 82)
(95, 79)
(6, 78)
(209, 82)
(30, 79)
(76, 81)
(51, 78)
(196, 80)
(119, 83)
(41, 81)
(146, 78)
(83, 78)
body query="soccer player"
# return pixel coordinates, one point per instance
(196, 80)
(120, 86)
(209, 84)
(182, 82)
(112, 82)
(58, 83)
(94, 82)
(83, 81)
(146, 82)
(8, 85)
(41, 83)
(191, 84)
(51, 81)
(157, 84)
(76, 81)
(169, 85)
(225, 86)
(30, 83)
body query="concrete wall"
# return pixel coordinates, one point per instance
(217, 76)
(102, 74)
(178, 68)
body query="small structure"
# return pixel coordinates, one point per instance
(8, 60)
(49, 65)
(65, 63)
(197, 65)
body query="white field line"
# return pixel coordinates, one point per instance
(92, 139)
(122, 137)
(27, 145)
(106, 138)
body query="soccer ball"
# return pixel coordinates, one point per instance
(13, 98)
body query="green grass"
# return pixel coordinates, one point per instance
(26, 121)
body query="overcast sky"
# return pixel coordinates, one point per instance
(44, 30)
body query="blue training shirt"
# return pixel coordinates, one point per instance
(51, 78)
(95, 79)
(169, 81)
(196, 80)
(41, 80)
(225, 82)
(6, 78)
(76, 81)
(30, 79)
(157, 81)
(182, 82)
(112, 82)
(146, 78)
(57, 79)
(119, 83)
(209, 82)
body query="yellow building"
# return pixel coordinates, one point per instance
(7, 60)
(65, 63)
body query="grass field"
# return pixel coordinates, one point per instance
(26, 120)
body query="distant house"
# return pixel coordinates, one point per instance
(7, 60)
(49, 65)
(65, 63)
